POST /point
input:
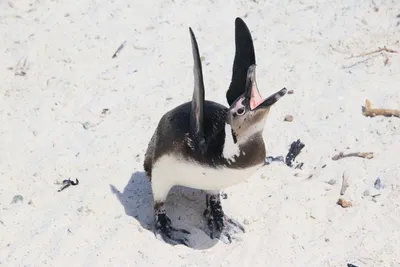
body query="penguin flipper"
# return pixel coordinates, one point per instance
(197, 110)
(244, 58)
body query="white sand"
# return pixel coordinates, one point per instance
(290, 220)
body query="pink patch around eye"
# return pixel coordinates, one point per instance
(239, 104)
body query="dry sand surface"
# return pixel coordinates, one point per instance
(58, 75)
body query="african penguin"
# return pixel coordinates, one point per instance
(205, 145)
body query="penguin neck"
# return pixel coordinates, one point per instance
(248, 146)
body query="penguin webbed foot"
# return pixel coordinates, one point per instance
(219, 225)
(164, 230)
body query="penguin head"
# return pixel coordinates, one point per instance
(248, 112)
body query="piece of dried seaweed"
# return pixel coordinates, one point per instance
(294, 151)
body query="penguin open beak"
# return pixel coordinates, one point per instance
(252, 95)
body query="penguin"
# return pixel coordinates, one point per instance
(205, 145)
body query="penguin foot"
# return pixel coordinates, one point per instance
(220, 226)
(164, 231)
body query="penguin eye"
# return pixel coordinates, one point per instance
(240, 111)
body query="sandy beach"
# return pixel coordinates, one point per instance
(69, 109)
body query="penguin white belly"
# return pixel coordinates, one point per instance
(170, 171)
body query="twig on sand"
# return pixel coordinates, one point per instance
(380, 49)
(386, 60)
(365, 155)
(359, 62)
(372, 112)
(345, 183)
(119, 49)
(337, 50)
(371, 55)
(86, 125)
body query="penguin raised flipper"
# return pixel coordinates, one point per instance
(196, 114)
(204, 145)
(244, 58)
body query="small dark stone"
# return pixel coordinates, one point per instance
(17, 199)
(378, 184)
(86, 125)
(331, 182)
(288, 118)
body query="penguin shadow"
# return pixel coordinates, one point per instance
(184, 206)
